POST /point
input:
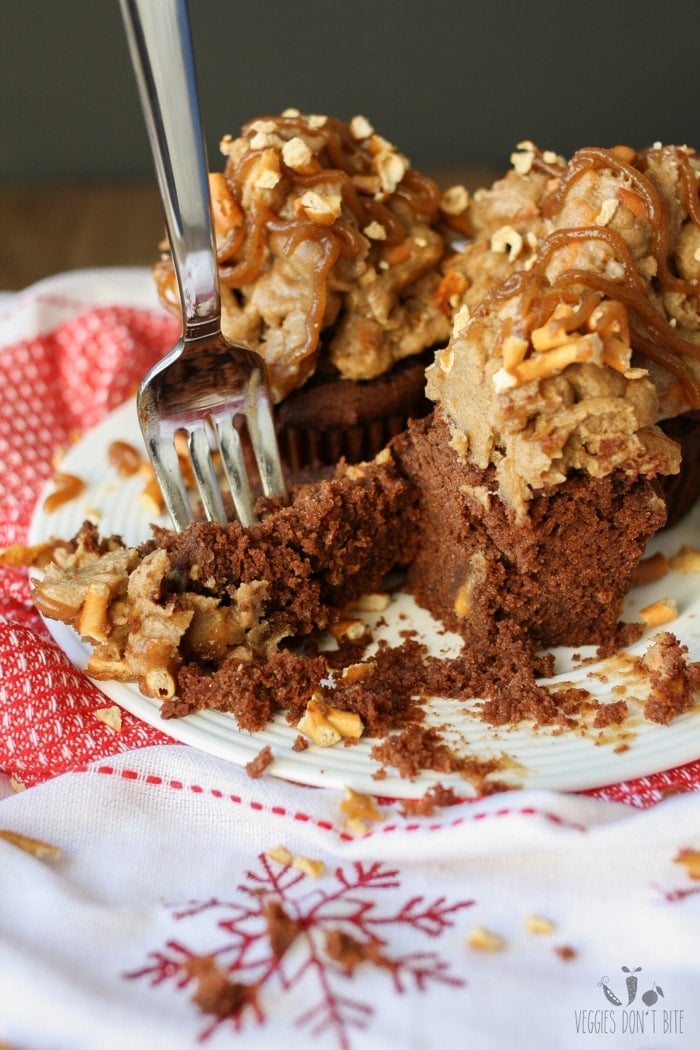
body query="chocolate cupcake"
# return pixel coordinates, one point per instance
(329, 419)
(332, 254)
(681, 491)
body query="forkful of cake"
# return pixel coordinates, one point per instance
(206, 384)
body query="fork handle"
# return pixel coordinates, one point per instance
(159, 39)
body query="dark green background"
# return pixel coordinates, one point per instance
(449, 83)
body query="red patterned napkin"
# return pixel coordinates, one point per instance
(56, 385)
(76, 360)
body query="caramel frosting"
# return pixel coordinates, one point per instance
(580, 327)
(329, 246)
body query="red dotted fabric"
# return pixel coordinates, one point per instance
(55, 387)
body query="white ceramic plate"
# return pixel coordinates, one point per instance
(564, 761)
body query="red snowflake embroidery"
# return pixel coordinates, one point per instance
(350, 909)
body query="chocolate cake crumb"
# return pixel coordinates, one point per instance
(281, 929)
(349, 953)
(216, 993)
(612, 714)
(418, 748)
(436, 797)
(300, 743)
(386, 695)
(624, 635)
(671, 682)
(349, 650)
(502, 673)
(257, 766)
(251, 690)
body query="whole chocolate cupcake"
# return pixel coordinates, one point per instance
(331, 252)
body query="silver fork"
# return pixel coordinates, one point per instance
(205, 381)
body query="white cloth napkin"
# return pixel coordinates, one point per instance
(164, 856)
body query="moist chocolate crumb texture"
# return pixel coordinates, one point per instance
(519, 509)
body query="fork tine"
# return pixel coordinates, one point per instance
(168, 472)
(205, 475)
(263, 438)
(231, 449)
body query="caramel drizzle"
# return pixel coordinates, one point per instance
(344, 162)
(657, 340)
(346, 165)
(596, 158)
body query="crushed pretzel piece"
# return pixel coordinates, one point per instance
(507, 240)
(485, 940)
(151, 498)
(552, 362)
(356, 826)
(329, 725)
(523, 157)
(348, 723)
(35, 847)
(311, 867)
(690, 860)
(353, 630)
(686, 560)
(358, 805)
(514, 349)
(461, 320)
(315, 725)
(659, 612)
(111, 716)
(93, 621)
(156, 682)
(124, 457)
(18, 556)
(446, 359)
(390, 165)
(375, 231)
(280, 854)
(67, 487)
(455, 200)
(538, 924)
(607, 211)
(320, 208)
(360, 128)
(297, 155)
(651, 569)
(377, 602)
(447, 298)
(354, 672)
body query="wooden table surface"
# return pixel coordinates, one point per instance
(46, 230)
